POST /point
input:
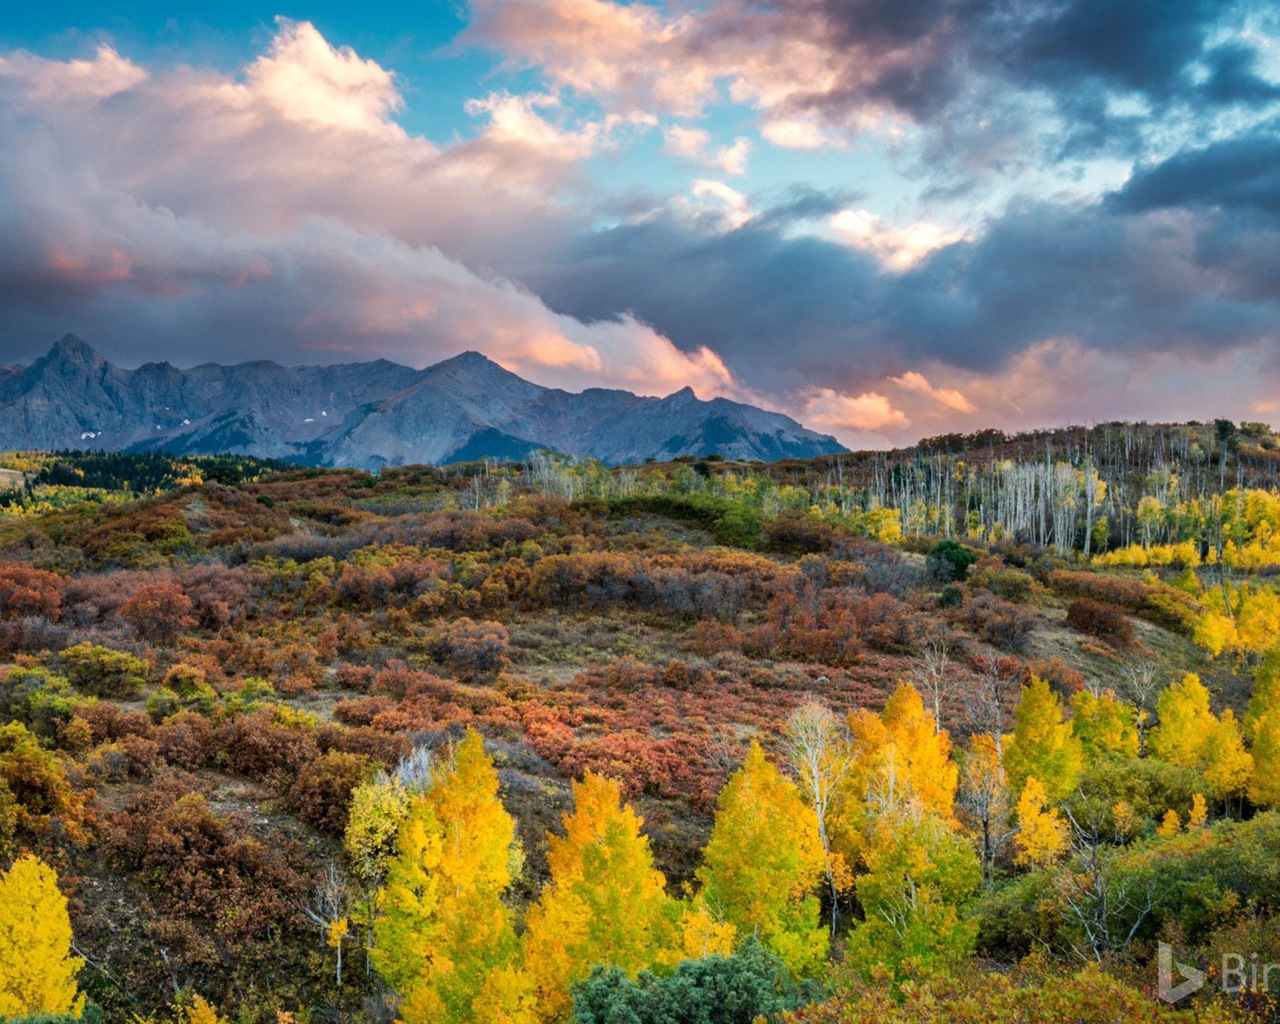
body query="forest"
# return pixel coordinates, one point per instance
(983, 730)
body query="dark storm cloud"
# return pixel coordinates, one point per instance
(1233, 77)
(802, 203)
(1241, 173)
(784, 309)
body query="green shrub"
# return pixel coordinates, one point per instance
(713, 990)
(949, 560)
(103, 672)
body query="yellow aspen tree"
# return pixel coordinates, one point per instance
(1228, 765)
(1185, 723)
(1266, 689)
(1042, 744)
(1104, 725)
(1262, 725)
(699, 934)
(984, 800)
(925, 750)
(201, 1012)
(763, 863)
(1170, 825)
(377, 809)
(605, 902)
(37, 970)
(920, 873)
(446, 929)
(1042, 834)
(1199, 812)
(1264, 788)
(899, 757)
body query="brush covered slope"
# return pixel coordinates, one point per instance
(813, 741)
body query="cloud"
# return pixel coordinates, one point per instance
(312, 266)
(1069, 77)
(693, 144)
(690, 143)
(896, 248)
(1242, 172)
(306, 79)
(107, 74)
(829, 409)
(514, 120)
(948, 398)
(793, 133)
(729, 207)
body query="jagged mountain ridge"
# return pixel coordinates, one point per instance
(369, 415)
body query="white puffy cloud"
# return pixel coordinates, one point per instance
(896, 248)
(309, 80)
(728, 205)
(690, 143)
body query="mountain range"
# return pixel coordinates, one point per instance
(369, 415)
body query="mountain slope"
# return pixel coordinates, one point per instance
(369, 414)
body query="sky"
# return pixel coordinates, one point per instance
(890, 219)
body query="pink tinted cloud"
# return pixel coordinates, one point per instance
(289, 199)
(792, 61)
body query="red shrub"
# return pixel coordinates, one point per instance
(26, 591)
(1104, 621)
(322, 791)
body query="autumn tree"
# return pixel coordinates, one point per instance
(1264, 788)
(919, 875)
(1104, 725)
(1185, 722)
(377, 809)
(201, 1011)
(1042, 744)
(604, 903)
(1228, 765)
(37, 970)
(1190, 735)
(764, 860)
(817, 751)
(983, 800)
(900, 756)
(446, 933)
(1043, 834)
(1262, 725)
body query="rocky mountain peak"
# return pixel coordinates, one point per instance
(71, 348)
(370, 415)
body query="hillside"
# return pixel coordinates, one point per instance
(213, 686)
